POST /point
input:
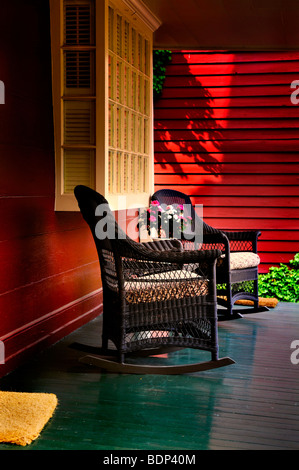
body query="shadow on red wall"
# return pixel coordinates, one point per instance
(186, 130)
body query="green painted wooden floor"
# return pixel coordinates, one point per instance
(253, 404)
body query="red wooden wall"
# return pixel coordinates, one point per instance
(49, 278)
(227, 134)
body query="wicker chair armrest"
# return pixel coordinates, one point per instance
(211, 238)
(217, 237)
(139, 251)
(249, 235)
(162, 245)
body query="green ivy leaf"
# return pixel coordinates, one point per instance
(160, 59)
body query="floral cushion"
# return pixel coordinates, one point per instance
(241, 260)
(165, 286)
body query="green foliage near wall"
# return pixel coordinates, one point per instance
(160, 61)
(281, 282)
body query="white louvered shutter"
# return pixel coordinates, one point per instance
(79, 139)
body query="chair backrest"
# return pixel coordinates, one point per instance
(171, 197)
(106, 233)
(96, 212)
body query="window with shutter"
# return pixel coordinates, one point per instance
(102, 96)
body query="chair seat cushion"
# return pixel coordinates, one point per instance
(165, 286)
(241, 260)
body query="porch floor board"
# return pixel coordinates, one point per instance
(253, 404)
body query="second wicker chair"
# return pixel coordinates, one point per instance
(237, 270)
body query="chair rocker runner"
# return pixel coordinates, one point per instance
(238, 264)
(152, 301)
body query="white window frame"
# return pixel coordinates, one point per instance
(145, 23)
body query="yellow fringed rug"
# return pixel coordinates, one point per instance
(263, 302)
(24, 415)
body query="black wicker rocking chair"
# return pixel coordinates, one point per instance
(236, 270)
(152, 301)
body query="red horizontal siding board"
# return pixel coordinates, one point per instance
(279, 246)
(252, 212)
(236, 102)
(196, 112)
(216, 92)
(252, 224)
(242, 68)
(224, 190)
(232, 80)
(224, 168)
(283, 235)
(33, 338)
(205, 57)
(41, 180)
(225, 124)
(282, 202)
(280, 257)
(209, 147)
(34, 215)
(220, 179)
(39, 299)
(219, 134)
(243, 158)
(43, 256)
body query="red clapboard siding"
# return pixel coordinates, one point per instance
(217, 178)
(224, 124)
(49, 274)
(226, 133)
(237, 168)
(198, 133)
(239, 191)
(46, 255)
(238, 80)
(287, 158)
(255, 68)
(237, 101)
(242, 223)
(196, 112)
(252, 212)
(284, 235)
(224, 92)
(206, 57)
(255, 201)
(32, 302)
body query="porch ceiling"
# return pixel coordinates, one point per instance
(226, 24)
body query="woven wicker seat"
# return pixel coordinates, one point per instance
(238, 266)
(151, 300)
(174, 286)
(241, 260)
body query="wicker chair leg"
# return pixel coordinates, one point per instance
(226, 315)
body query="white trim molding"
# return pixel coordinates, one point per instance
(144, 13)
